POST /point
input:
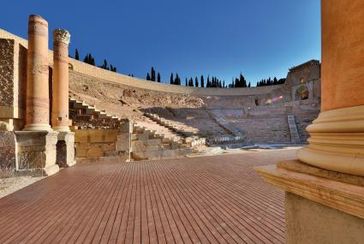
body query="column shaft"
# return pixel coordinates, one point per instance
(342, 54)
(60, 88)
(337, 135)
(37, 92)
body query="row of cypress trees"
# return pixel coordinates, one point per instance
(89, 59)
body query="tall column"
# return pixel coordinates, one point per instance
(37, 92)
(324, 200)
(337, 135)
(60, 88)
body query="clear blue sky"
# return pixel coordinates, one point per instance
(259, 38)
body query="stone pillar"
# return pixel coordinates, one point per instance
(337, 139)
(60, 88)
(325, 188)
(37, 92)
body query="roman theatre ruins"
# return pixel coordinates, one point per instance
(56, 111)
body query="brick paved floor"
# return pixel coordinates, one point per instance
(216, 199)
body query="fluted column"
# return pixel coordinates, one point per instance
(37, 92)
(60, 88)
(337, 135)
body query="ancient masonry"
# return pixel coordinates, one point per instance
(54, 109)
(38, 147)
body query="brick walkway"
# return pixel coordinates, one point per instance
(199, 200)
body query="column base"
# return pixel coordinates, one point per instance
(37, 127)
(61, 128)
(337, 141)
(322, 206)
(36, 152)
(51, 170)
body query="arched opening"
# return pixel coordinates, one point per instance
(302, 92)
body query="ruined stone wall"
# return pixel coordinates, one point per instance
(12, 83)
(303, 73)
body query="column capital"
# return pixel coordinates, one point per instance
(61, 35)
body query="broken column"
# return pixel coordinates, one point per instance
(60, 100)
(36, 144)
(325, 187)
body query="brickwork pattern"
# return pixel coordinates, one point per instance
(198, 200)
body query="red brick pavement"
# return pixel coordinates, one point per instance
(216, 199)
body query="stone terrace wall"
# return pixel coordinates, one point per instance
(93, 143)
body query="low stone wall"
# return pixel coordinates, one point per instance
(93, 143)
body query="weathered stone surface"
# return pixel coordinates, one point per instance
(95, 143)
(7, 47)
(36, 151)
(311, 222)
(66, 149)
(7, 150)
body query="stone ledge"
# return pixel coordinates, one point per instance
(300, 167)
(324, 189)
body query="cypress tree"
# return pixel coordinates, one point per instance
(202, 81)
(171, 79)
(77, 55)
(148, 76)
(196, 82)
(159, 77)
(152, 74)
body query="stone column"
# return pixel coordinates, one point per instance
(324, 200)
(337, 135)
(60, 88)
(37, 92)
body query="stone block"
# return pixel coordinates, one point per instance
(81, 150)
(36, 151)
(311, 222)
(95, 152)
(66, 149)
(7, 149)
(122, 142)
(82, 136)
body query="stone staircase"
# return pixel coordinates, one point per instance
(149, 140)
(295, 137)
(85, 116)
(151, 144)
(232, 136)
(188, 134)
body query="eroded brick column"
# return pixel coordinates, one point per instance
(37, 92)
(60, 88)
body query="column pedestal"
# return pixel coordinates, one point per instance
(36, 152)
(321, 206)
(66, 149)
